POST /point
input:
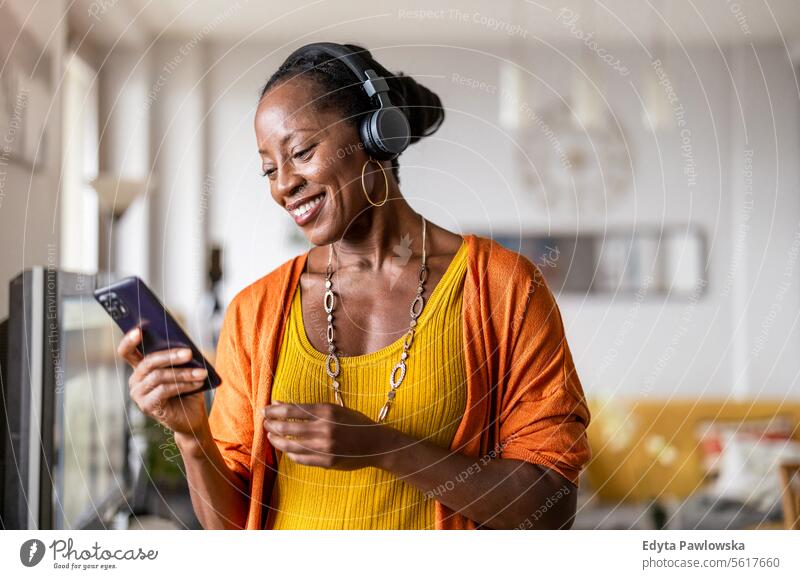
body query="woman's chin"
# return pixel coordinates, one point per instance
(319, 235)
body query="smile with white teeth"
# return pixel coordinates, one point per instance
(306, 207)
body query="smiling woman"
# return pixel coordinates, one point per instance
(396, 375)
(324, 144)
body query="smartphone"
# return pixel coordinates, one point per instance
(131, 304)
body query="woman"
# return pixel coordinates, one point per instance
(396, 375)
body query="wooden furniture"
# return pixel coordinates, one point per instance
(647, 447)
(790, 481)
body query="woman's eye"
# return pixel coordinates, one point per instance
(305, 153)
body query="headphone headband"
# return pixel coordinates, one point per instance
(385, 132)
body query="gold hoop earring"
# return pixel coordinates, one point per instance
(385, 182)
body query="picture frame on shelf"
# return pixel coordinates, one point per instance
(670, 261)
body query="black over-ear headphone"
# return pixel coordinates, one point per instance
(385, 132)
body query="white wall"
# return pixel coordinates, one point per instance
(124, 84)
(466, 178)
(243, 217)
(79, 248)
(29, 222)
(771, 272)
(178, 208)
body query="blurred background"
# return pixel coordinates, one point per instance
(643, 154)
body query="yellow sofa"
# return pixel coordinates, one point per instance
(645, 448)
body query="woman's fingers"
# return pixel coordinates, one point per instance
(302, 446)
(171, 379)
(164, 392)
(156, 379)
(171, 376)
(153, 402)
(284, 410)
(171, 390)
(127, 347)
(161, 359)
(298, 428)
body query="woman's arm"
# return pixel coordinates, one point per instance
(496, 493)
(217, 492)
(219, 496)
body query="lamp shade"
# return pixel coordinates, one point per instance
(116, 193)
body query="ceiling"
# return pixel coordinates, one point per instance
(462, 22)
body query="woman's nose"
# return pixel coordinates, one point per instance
(287, 180)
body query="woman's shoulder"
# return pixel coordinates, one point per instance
(513, 289)
(501, 265)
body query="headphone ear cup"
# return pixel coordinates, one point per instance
(393, 131)
(370, 144)
(385, 133)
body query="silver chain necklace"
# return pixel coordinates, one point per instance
(332, 363)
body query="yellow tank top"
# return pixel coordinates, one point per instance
(429, 404)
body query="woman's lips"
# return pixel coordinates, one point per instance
(310, 212)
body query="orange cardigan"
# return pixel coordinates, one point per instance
(524, 398)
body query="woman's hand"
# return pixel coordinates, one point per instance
(155, 384)
(326, 435)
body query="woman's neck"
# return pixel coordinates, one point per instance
(381, 235)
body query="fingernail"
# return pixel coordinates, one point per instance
(185, 353)
(199, 372)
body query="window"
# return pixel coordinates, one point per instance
(79, 205)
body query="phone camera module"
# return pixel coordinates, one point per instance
(114, 306)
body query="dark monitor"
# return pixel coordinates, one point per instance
(65, 399)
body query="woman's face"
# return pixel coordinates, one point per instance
(312, 160)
